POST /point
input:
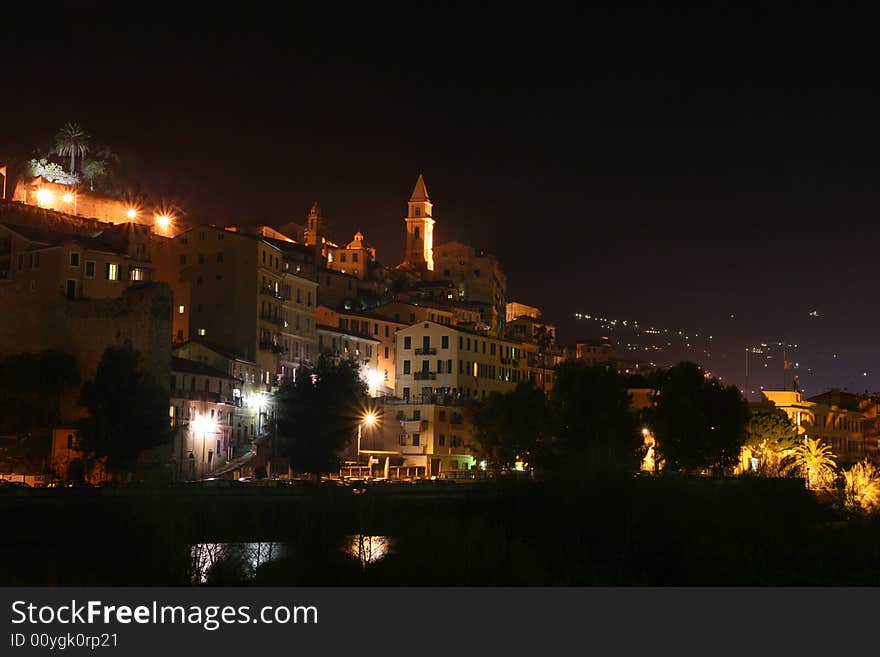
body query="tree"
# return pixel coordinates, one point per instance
(94, 170)
(318, 414)
(862, 487)
(816, 461)
(698, 423)
(595, 432)
(771, 436)
(31, 388)
(511, 425)
(772, 429)
(127, 411)
(72, 140)
(50, 171)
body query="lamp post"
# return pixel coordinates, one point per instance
(369, 420)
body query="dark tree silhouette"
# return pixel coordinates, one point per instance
(127, 411)
(31, 388)
(510, 425)
(596, 433)
(698, 423)
(318, 414)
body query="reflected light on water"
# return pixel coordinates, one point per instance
(204, 556)
(368, 549)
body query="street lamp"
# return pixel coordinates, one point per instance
(203, 424)
(369, 420)
(163, 221)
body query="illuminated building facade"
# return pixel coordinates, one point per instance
(252, 295)
(335, 343)
(203, 417)
(369, 325)
(840, 419)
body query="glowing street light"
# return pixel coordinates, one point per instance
(131, 213)
(163, 221)
(68, 197)
(374, 379)
(44, 196)
(368, 420)
(203, 424)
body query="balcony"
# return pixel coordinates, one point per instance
(268, 345)
(423, 376)
(266, 317)
(270, 292)
(440, 399)
(414, 426)
(430, 351)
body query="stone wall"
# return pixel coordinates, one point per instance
(85, 328)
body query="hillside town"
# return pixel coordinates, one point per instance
(224, 316)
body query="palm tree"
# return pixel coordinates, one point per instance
(72, 140)
(816, 460)
(862, 487)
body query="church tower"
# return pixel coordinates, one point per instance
(314, 226)
(419, 230)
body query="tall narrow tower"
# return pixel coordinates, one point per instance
(419, 230)
(314, 226)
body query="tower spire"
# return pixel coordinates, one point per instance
(419, 229)
(420, 192)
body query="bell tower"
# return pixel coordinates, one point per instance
(314, 226)
(419, 230)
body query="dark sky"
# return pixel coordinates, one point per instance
(616, 167)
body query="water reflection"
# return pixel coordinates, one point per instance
(211, 561)
(367, 549)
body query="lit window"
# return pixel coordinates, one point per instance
(137, 274)
(201, 331)
(111, 269)
(180, 309)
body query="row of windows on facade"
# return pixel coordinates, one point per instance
(841, 423)
(201, 236)
(463, 392)
(506, 351)
(466, 367)
(342, 343)
(200, 258)
(206, 386)
(363, 327)
(267, 258)
(303, 350)
(273, 287)
(455, 418)
(343, 257)
(438, 318)
(415, 440)
(111, 269)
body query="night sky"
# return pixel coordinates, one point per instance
(615, 168)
